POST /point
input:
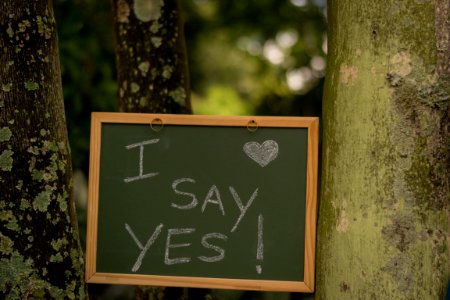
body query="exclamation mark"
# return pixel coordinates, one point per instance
(260, 247)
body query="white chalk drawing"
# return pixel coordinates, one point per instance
(260, 248)
(210, 199)
(145, 248)
(141, 160)
(219, 250)
(179, 260)
(194, 201)
(263, 153)
(242, 208)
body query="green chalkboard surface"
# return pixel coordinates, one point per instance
(202, 201)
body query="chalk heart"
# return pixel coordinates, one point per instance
(263, 153)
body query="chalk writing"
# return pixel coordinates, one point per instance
(216, 248)
(208, 199)
(171, 233)
(242, 209)
(141, 160)
(145, 248)
(194, 201)
(169, 245)
(212, 197)
(263, 153)
(260, 247)
(213, 191)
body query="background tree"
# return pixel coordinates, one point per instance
(41, 257)
(264, 57)
(383, 221)
(152, 73)
(151, 57)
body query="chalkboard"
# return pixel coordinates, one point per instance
(202, 201)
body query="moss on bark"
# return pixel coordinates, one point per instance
(40, 252)
(383, 220)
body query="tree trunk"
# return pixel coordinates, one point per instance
(384, 212)
(41, 257)
(152, 74)
(151, 57)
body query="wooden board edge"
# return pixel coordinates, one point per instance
(93, 190)
(204, 120)
(202, 282)
(311, 203)
(312, 123)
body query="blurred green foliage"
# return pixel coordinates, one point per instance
(263, 57)
(246, 57)
(87, 65)
(269, 53)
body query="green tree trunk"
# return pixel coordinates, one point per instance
(384, 212)
(40, 252)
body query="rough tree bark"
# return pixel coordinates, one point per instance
(152, 75)
(384, 212)
(151, 57)
(40, 252)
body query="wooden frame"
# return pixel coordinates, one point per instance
(311, 123)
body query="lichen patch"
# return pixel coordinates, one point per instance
(144, 67)
(123, 11)
(156, 41)
(6, 87)
(342, 222)
(6, 160)
(167, 71)
(401, 64)
(154, 28)
(43, 132)
(134, 87)
(43, 199)
(31, 86)
(178, 95)
(10, 31)
(23, 25)
(348, 74)
(63, 199)
(57, 244)
(147, 10)
(5, 134)
(56, 258)
(6, 245)
(44, 29)
(143, 102)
